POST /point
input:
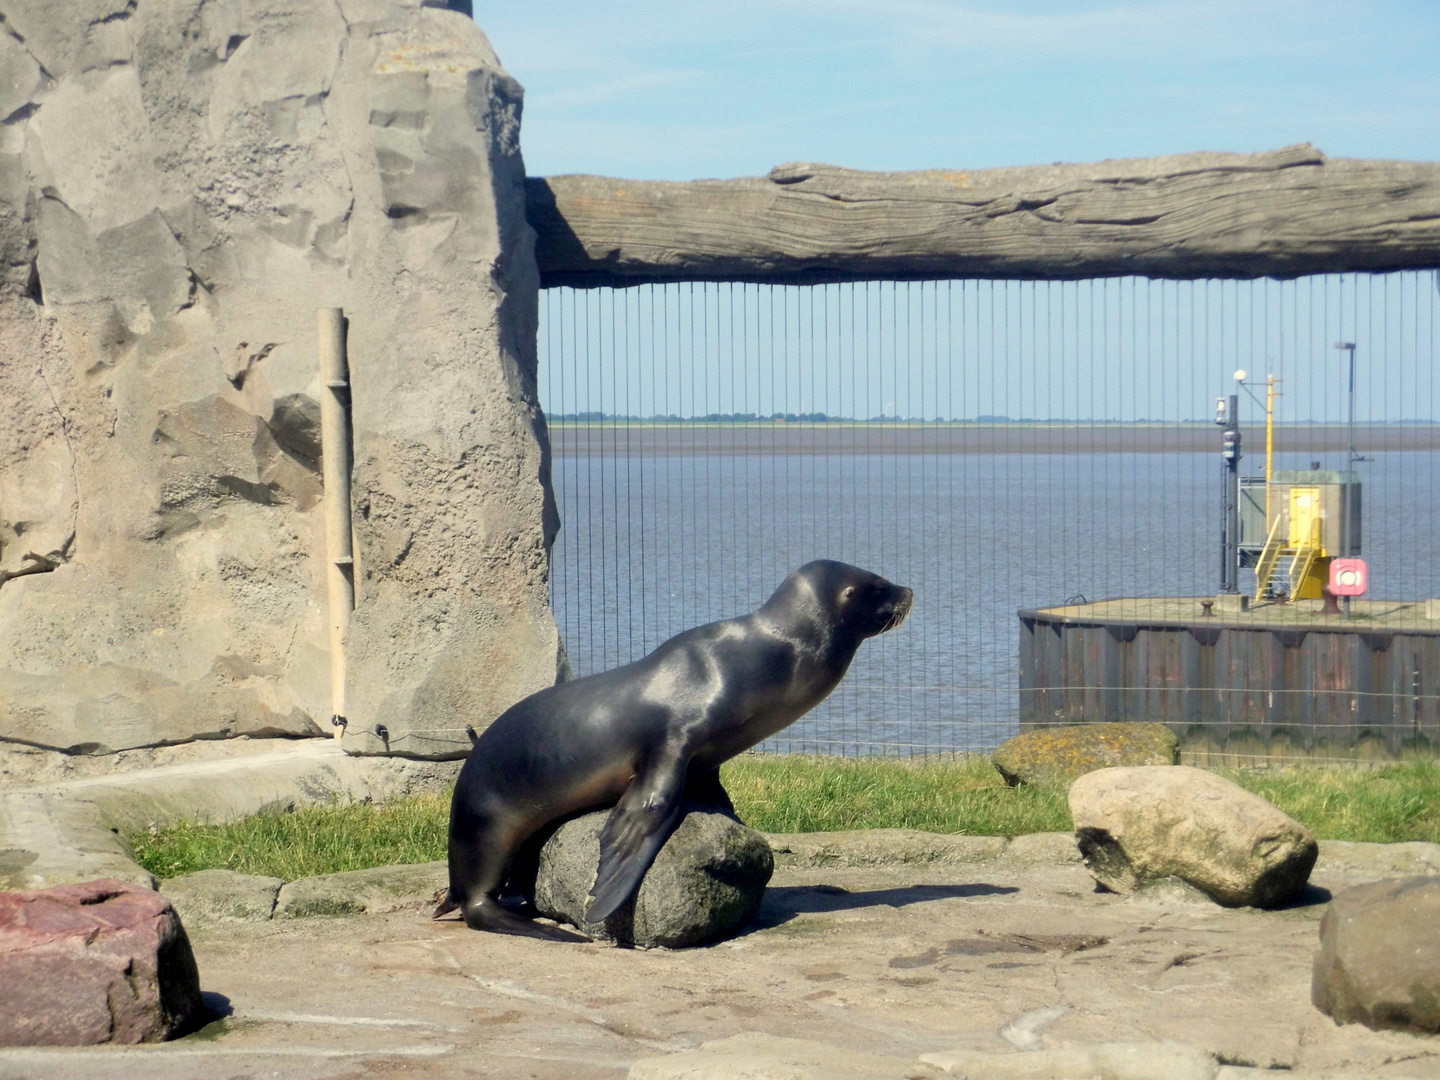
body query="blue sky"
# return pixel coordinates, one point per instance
(714, 89)
(679, 91)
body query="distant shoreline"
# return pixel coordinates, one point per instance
(664, 438)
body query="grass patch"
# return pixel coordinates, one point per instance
(324, 839)
(1386, 805)
(793, 793)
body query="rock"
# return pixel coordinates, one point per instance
(1105, 1061)
(1169, 892)
(181, 187)
(378, 890)
(102, 961)
(1134, 824)
(754, 1055)
(221, 895)
(1379, 958)
(1061, 754)
(707, 881)
(884, 847)
(1372, 862)
(888, 847)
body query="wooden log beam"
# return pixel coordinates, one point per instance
(1279, 214)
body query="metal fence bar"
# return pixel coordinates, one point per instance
(995, 445)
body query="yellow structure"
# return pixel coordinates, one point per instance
(1295, 516)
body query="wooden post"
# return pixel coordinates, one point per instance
(335, 448)
(1283, 213)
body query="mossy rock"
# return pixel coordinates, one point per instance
(1059, 755)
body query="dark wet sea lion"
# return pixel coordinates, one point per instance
(644, 736)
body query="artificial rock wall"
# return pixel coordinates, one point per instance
(182, 184)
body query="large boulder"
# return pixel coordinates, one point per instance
(97, 962)
(1062, 754)
(182, 185)
(1139, 824)
(707, 881)
(1379, 958)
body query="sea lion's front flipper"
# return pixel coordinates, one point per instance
(638, 827)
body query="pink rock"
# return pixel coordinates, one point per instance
(101, 961)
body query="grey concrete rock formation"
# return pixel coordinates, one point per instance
(182, 184)
(1104, 1061)
(1134, 824)
(376, 890)
(1063, 754)
(707, 881)
(771, 1057)
(1379, 958)
(97, 962)
(221, 895)
(890, 847)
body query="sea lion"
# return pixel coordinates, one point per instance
(644, 736)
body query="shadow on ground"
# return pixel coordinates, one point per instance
(784, 902)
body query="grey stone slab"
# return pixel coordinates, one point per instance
(770, 1057)
(209, 895)
(385, 888)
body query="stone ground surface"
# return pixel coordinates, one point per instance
(898, 960)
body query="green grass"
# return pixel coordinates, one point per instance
(322, 839)
(791, 793)
(1386, 805)
(782, 794)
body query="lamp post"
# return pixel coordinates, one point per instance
(1349, 495)
(1227, 415)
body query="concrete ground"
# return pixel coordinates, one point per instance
(1013, 952)
(888, 943)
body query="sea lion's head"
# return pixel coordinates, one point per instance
(850, 603)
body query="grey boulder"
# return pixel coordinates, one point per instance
(707, 881)
(1138, 824)
(1379, 958)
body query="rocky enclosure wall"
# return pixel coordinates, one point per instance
(182, 184)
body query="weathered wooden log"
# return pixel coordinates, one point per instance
(1280, 214)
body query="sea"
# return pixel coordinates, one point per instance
(656, 538)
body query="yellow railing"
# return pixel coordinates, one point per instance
(1269, 557)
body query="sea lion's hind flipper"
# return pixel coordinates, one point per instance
(638, 827)
(487, 914)
(447, 905)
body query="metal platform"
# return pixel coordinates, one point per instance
(1277, 680)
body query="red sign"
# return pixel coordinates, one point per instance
(1349, 577)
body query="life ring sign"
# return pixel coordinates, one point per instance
(1349, 577)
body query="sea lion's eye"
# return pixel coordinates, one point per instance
(847, 592)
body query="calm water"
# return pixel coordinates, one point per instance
(652, 545)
